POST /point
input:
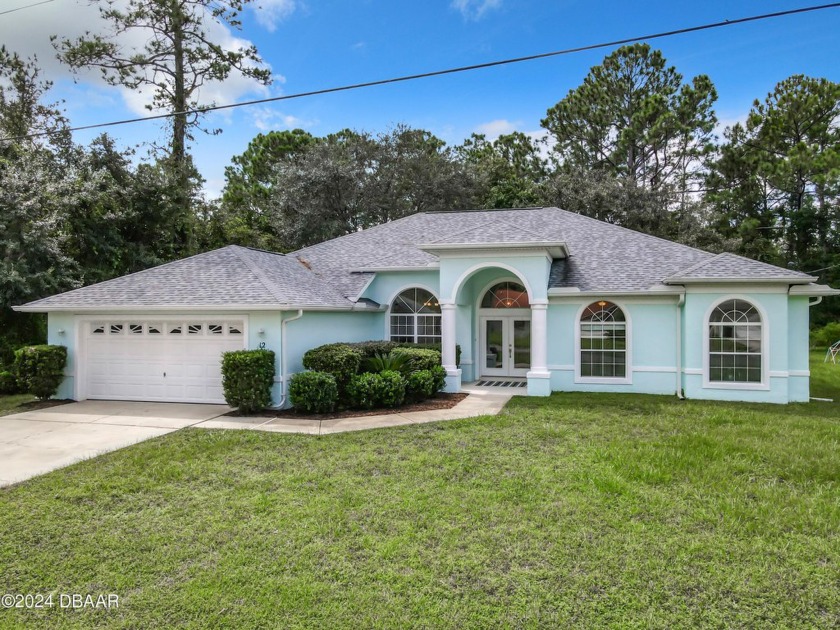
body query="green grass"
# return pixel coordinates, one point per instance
(825, 377)
(13, 403)
(572, 511)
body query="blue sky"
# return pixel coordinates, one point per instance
(311, 45)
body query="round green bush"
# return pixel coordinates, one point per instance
(362, 391)
(313, 392)
(371, 348)
(419, 385)
(40, 369)
(391, 389)
(247, 379)
(439, 376)
(8, 384)
(418, 358)
(338, 359)
(823, 338)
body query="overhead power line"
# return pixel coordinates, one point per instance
(437, 73)
(28, 6)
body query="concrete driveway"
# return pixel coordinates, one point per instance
(35, 442)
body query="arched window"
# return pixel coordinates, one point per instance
(735, 343)
(603, 341)
(415, 317)
(506, 295)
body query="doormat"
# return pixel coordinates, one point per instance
(502, 384)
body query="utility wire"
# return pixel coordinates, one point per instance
(437, 73)
(28, 6)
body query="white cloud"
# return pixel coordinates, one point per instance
(266, 118)
(726, 121)
(29, 35)
(475, 9)
(496, 128)
(270, 13)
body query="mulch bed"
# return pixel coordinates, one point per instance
(41, 404)
(440, 401)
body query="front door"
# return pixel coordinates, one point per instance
(505, 346)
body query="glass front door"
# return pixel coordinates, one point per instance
(505, 346)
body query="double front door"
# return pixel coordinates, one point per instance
(505, 346)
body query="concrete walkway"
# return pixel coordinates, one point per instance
(481, 402)
(35, 442)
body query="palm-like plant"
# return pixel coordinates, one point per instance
(390, 361)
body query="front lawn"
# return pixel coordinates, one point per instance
(825, 377)
(577, 510)
(14, 403)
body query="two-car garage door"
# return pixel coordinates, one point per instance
(168, 360)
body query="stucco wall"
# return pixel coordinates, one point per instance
(773, 306)
(64, 322)
(652, 333)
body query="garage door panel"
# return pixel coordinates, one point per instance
(127, 361)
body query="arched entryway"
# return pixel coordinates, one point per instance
(504, 318)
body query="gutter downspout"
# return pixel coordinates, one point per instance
(282, 402)
(816, 301)
(680, 304)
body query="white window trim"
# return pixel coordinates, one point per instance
(765, 348)
(413, 285)
(628, 352)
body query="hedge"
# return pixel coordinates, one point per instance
(419, 358)
(313, 392)
(40, 369)
(362, 390)
(439, 376)
(8, 384)
(823, 338)
(338, 359)
(247, 379)
(419, 386)
(373, 347)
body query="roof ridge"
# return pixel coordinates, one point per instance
(626, 229)
(369, 229)
(260, 275)
(478, 227)
(696, 265)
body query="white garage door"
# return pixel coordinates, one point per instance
(172, 361)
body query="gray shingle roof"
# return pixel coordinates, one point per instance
(489, 233)
(231, 276)
(604, 257)
(726, 265)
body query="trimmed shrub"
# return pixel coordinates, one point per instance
(439, 376)
(433, 346)
(391, 389)
(393, 361)
(313, 392)
(338, 359)
(369, 390)
(247, 378)
(8, 384)
(419, 358)
(40, 369)
(419, 385)
(363, 389)
(823, 338)
(369, 349)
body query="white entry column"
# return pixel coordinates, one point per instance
(448, 312)
(539, 378)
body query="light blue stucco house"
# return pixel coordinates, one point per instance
(537, 298)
